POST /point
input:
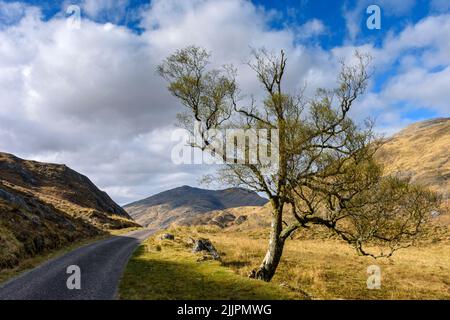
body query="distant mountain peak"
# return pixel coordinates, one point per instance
(186, 203)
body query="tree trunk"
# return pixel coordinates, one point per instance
(273, 256)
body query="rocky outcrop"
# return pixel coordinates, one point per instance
(223, 220)
(29, 226)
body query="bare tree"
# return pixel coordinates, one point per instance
(326, 173)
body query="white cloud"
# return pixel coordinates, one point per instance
(421, 87)
(91, 98)
(11, 12)
(310, 29)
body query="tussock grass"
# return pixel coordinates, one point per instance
(330, 269)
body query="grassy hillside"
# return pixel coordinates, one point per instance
(421, 152)
(63, 188)
(45, 207)
(310, 269)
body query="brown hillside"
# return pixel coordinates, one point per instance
(421, 151)
(46, 206)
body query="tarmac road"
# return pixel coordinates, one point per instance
(101, 266)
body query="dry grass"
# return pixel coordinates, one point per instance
(330, 269)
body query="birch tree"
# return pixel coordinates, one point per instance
(326, 173)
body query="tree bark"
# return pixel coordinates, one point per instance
(272, 258)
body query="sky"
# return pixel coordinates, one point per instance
(88, 95)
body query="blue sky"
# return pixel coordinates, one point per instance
(90, 97)
(295, 12)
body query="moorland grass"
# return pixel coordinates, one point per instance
(317, 269)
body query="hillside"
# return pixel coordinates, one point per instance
(46, 206)
(421, 151)
(187, 205)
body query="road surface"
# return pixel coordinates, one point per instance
(101, 266)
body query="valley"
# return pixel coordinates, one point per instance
(191, 206)
(47, 209)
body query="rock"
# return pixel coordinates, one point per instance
(206, 245)
(240, 220)
(204, 257)
(36, 221)
(13, 199)
(167, 236)
(435, 214)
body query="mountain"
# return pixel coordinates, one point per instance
(187, 205)
(45, 206)
(420, 151)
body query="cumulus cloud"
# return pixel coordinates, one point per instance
(90, 97)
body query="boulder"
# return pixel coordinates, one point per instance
(167, 236)
(206, 245)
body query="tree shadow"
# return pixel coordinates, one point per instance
(236, 264)
(154, 278)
